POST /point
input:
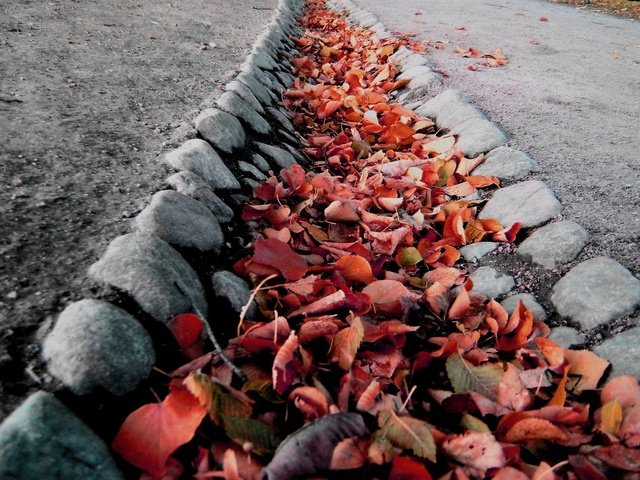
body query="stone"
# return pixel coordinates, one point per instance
(43, 439)
(623, 351)
(401, 54)
(262, 60)
(414, 60)
(476, 251)
(181, 221)
(251, 183)
(262, 93)
(414, 72)
(259, 161)
(449, 109)
(221, 129)
(298, 157)
(97, 345)
(235, 291)
(190, 184)
(595, 292)
(284, 78)
(251, 170)
(199, 157)
(284, 121)
(506, 163)
(232, 103)
(478, 135)
(291, 140)
(245, 93)
(490, 282)
(530, 202)
(566, 336)
(511, 302)
(554, 244)
(152, 273)
(280, 157)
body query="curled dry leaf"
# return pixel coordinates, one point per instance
(386, 295)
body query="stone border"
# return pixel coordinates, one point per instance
(163, 268)
(591, 294)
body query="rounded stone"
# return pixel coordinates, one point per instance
(280, 157)
(554, 244)
(566, 336)
(234, 291)
(490, 282)
(154, 274)
(532, 203)
(476, 251)
(97, 345)
(43, 439)
(506, 163)
(181, 221)
(511, 302)
(221, 129)
(623, 351)
(199, 157)
(246, 94)
(478, 135)
(595, 292)
(232, 103)
(190, 184)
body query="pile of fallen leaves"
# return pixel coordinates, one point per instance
(371, 352)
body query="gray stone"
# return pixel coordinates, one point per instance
(284, 78)
(449, 109)
(281, 118)
(554, 244)
(287, 137)
(251, 170)
(401, 54)
(413, 60)
(42, 439)
(507, 163)
(281, 157)
(530, 202)
(199, 157)
(491, 283)
(190, 184)
(233, 290)
(153, 273)
(245, 93)
(259, 161)
(262, 93)
(181, 221)
(251, 183)
(221, 129)
(623, 351)
(511, 302)
(595, 292)
(97, 345)
(295, 153)
(566, 336)
(262, 60)
(232, 103)
(415, 72)
(478, 135)
(476, 251)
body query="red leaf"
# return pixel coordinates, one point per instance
(386, 295)
(405, 468)
(355, 267)
(279, 255)
(151, 433)
(187, 328)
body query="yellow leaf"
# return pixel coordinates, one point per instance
(346, 343)
(408, 433)
(611, 417)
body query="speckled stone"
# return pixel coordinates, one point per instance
(476, 251)
(280, 157)
(566, 336)
(490, 282)
(554, 244)
(221, 129)
(511, 302)
(623, 351)
(507, 163)
(190, 184)
(595, 292)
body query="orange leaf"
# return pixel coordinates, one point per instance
(284, 369)
(534, 429)
(588, 366)
(386, 295)
(310, 401)
(327, 108)
(342, 211)
(346, 344)
(355, 268)
(151, 433)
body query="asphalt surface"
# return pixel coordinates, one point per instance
(569, 96)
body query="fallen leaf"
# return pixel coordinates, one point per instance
(355, 268)
(386, 295)
(279, 255)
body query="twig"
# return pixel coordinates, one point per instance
(245, 308)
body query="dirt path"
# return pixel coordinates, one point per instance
(568, 97)
(89, 93)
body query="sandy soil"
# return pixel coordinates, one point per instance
(568, 97)
(90, 93)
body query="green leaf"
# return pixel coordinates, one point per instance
(465, 377)
(469, 422)
(242, 430)
(408, 433)
(264, 388)
(220, 400)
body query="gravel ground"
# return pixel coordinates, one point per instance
(90, 93)
(568, 97)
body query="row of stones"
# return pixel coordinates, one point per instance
(96, 346)
(592, 293)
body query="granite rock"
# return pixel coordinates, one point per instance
(554, 244)
(97, 345)
(234, 291)
(43, 439)
(154, 274)
(181, 221)
(566, 336)
(511, 302)
(595, 292)
(231, 103)
(490, 282)
(530, 202)
(506, 163)
(280, 157)
(623, 351)
(221, 129)
(190, 184)
(476, 251)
